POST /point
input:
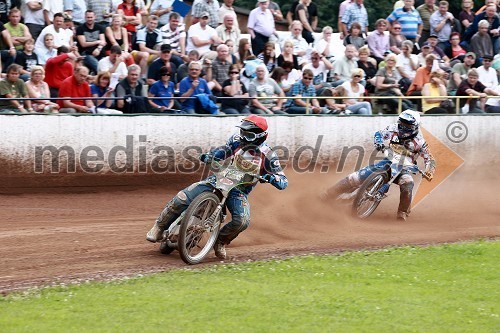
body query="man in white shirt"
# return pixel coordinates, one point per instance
(50, 8)
(300, 45)
(487, 74)
(229, 30)
(61, 36)
(113, 63)
(202, 36)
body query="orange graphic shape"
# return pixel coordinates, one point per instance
(447, 161)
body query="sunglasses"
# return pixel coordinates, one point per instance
(307, 78)
(357, 76)
(234, 73)
(166, 74)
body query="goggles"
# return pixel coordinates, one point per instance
(251, 136)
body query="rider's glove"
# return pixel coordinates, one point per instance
(271, 179)
(206, 158)
(379, 146)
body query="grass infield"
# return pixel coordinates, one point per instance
(445, 288)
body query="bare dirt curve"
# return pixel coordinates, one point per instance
(68, 234)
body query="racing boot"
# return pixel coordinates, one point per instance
(220, 250)
(401, 216)
(155, 234)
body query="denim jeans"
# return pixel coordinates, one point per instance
(360, 108)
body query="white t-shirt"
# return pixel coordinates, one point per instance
(404, 63)
(320, 73)
(105, 65)
(356, 95)
(53, 7)
(32, 16)
(487, 77)
(203, 34)
(63, 37)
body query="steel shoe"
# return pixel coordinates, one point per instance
(401, 216)
(220, 250)
(155, 234)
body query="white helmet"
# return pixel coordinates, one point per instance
(408, 124)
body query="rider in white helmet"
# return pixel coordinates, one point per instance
(406, 133)
(248, 147)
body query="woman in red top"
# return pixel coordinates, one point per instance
(131, 15)
(455, 51)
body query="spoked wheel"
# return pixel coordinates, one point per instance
(368, 197)
(199, 228)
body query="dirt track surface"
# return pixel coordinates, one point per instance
(74, 234)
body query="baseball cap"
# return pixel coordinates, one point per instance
(204, 14)
(488, 57)
(426, 44)
(471, 54)
(165, 48)
(433, 36)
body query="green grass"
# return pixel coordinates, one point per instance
(447, 288)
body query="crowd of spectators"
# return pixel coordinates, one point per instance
(126, 57)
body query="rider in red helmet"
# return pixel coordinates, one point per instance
(247, 147)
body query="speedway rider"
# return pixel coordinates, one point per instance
(247, 148)
(405, 133)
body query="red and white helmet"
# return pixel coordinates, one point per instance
(253, 131)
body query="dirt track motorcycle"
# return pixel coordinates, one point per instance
(373, 190)
(195, 231)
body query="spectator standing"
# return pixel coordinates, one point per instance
(131, 15)
(356, 12)
(441, 23)
(426, 10)
(76, 86)
(103, 10)
(227, 8)
(300, 45)
(378, 41)
(91, 41)
(276, 10)
(162, 9)
(201, 36)
(307, 13)
(33, 16)
(174, 34)
(206, 6)
(264, 86)
(342, 8)
(260, 26)
(466, 16)
(76, 9)
(410, 20)
(14, 87)
(50, 9)
(38, 89)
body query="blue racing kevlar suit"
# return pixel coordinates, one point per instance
(263, 159)
(415, 145)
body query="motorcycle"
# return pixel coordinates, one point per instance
(373, 190)
(195, 231)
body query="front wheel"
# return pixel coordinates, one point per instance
(199, 228)
(369, 197)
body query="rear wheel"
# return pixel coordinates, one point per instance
(368, 198)
(199, 228)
